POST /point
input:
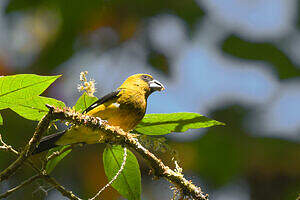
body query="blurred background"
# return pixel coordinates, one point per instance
(236, 61)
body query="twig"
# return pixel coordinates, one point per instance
(47, 178)
(114, 134)
(16, 153)
(27, 182)
(40, 129)
(58, 153)
(7, 147)
(115, 177)
(41, 173)
(60, 188)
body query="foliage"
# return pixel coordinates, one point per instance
(128, 183)
(84, 102)
(161, 124)
(21, 94)
(53, 162)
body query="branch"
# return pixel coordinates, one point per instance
(112, 135)
(41, 174)
(60, 188)
(58, 153)
(27, 182)
(117, 135)
(40, 129)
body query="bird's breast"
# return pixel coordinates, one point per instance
(131, 111)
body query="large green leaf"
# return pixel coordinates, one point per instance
(53, 162)
(128, 183)
(161, 124)
(20, 93)
(34, 108)
(84, 102)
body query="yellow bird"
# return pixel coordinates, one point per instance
(124, 108)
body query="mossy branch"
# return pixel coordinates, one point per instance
(113, 135)
(118, 136)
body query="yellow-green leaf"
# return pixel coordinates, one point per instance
(53, 162)
(21, 94)
(84, 102)
(128, 183)
(161, 124)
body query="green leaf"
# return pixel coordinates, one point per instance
(20, 93)
(34, 108)
(161, 124)
(1, 120)
(84, 102)
(53, 162)
(128, 183)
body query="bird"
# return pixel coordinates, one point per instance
(124, 108)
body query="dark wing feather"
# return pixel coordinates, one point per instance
(48, 142)
(108, 97)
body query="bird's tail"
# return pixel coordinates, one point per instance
(48, 142)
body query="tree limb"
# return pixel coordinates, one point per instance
(27, 182)
(41, 174)
(40, 129)
(60, 188)
(112, 135)
(119, 136)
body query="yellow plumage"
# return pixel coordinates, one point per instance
(124, 108)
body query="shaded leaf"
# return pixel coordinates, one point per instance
(160, 124)
(84, 102)
(20, 93)
(128, 183)
(1, 120)
(53, 162)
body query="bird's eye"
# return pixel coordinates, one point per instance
(146, 78)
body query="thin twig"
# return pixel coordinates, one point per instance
(60, 188)
(27, 182)
(55, 154)
(7, 147)
(58, 153)
(49, 179)
(16, 154)
(40, 129)
(115, 177)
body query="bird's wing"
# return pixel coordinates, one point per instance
(109, 97)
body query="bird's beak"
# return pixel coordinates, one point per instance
(155, 85)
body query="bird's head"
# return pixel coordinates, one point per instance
(143, 83)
